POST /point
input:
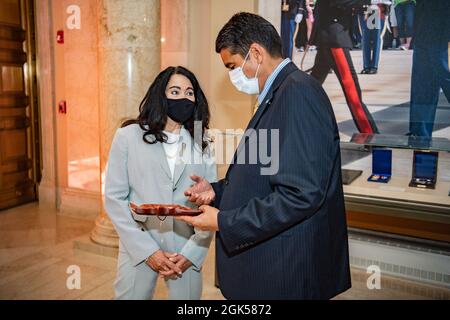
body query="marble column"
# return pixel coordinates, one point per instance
(129, 50)
(48, 185)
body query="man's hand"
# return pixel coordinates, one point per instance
(201, 192)
(161, 263)
(206, 221)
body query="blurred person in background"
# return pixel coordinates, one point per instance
(430, 71)
(331, 35)
(291, 15)
(372, 21)
(404, 12)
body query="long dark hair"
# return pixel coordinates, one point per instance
(153, 108)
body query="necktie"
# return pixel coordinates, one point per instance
(255, 107)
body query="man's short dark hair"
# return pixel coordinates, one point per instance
(243, 29)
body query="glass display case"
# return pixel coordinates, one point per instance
(395, 206)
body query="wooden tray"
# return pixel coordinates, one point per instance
(163, 210)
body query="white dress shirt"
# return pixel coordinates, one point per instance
(171, 148)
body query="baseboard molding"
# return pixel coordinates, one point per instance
(80, 204)
(411, 262)
(47, 196)
(87, 245)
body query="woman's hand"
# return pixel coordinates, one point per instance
(201, 193)
(161, 263)
(181, 261)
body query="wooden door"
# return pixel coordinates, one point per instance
(19, 141)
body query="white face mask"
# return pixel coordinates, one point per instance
(241, 82)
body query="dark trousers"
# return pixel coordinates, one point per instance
(340, 61)
(404, 12)
(356, 33)
(287, 36)
(301, 40)
(430, 73)
(372, 42)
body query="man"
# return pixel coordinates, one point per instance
(284, 235)
(331, 35)
(430, 70)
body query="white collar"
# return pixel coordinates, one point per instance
(172, 137)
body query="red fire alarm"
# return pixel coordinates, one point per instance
(60, 36)
(62, 108)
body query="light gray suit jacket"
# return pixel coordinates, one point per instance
(139, 172)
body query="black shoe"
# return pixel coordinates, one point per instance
(373, 71)
(365, 71)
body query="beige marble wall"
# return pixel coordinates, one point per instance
(229, 108)
(270, 10)
(199, 49)
(174, 33)
(75, 73)
(81, 93)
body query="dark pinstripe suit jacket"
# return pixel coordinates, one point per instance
(284, 236)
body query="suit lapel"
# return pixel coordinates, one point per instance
(161, 154)
(284, 73)
(180, 164)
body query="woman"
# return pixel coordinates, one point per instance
(310, 20)
(152, 160)
(305, 26)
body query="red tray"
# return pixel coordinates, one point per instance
(163, 210)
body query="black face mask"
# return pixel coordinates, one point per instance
(180, 110)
